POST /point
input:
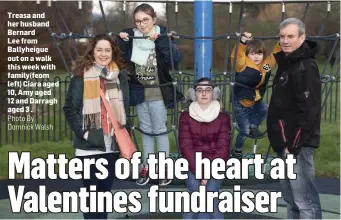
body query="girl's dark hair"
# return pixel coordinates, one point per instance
(87, 60)
(203, 79)
(146, 8)
(255, 46)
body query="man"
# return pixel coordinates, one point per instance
(294, 114)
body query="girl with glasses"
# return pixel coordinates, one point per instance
(150, 61)
(204, 127)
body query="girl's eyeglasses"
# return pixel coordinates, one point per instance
(144, 21)
(207, 90)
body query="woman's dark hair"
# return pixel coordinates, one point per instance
(87, 60)
(146, 8)
(203, 79)
(255, 46)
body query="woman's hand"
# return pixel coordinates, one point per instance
(154, 36)
(124, 35)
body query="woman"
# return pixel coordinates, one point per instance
(150, 61)
(204, 127)
(102, 67)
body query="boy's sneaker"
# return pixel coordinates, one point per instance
(255, 132)
(144, 177)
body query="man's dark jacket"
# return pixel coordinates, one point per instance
(295, 107)
(164, 64)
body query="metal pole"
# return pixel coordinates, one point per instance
(203, 47)
(231, 1)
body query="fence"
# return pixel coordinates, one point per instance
(57, 128)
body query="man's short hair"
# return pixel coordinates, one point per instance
(255, 46)
(298, 22)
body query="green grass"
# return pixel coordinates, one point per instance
(39, 150)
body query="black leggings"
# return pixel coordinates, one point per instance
(102, 185)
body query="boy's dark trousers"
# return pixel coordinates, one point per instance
(247, 117)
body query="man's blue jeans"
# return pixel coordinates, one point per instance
(246, 118)
(212, 185)
(301, 194)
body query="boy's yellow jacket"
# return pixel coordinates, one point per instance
(252, 75)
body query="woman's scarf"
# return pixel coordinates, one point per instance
(91, 95)
(143, 47)
(207, 115)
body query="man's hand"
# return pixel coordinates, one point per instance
(246, 36)
(203, 182)
(286, 152)
(86, 135)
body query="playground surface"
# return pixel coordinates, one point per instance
(329, 189)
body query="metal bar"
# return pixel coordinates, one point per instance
(227, 51)
(177, 41)
(336, 99)
(175, 107)
(177, 143)
(167, 16)
(135, 140)
(324, 105)
(124, 13)
(60, 109)
(331, 104)
(104, 18)
(231, 1)
(48, 120)
(203, 13)
(305, 11)
(176, 17)
(67, 28)
(13, 133)
(283, 11)
(54, 111)
(56, 44)
(227, 47)
(170, 45)
(1, 104)
(25, 123)
(233, 76)
(329, 57)
(65, 122)
(42, 118)
(36, 116)
(215, 37)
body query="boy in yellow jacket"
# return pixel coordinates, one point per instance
(252, 75)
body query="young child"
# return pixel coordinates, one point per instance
(252, 75)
